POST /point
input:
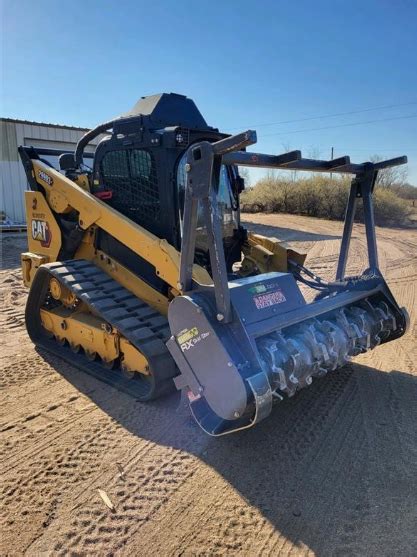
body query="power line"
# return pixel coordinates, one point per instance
(342, 125)
(386, 107)
(368, 149)
(373, 149)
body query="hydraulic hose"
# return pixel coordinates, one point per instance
(316, 282)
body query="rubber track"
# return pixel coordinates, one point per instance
(139, 323)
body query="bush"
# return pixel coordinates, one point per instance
(390, 209)
(405, 191)
(318, 196)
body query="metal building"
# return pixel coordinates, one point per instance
(12, 176)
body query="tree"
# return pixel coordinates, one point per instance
(244, 173)
(390, 177)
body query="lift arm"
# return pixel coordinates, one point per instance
(63, 195)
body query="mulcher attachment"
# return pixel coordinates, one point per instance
(275, 345)
(244, 343)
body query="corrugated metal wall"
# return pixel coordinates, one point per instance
(13, 181)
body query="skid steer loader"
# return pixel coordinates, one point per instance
(141, 274)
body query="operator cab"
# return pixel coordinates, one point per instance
(139, 170)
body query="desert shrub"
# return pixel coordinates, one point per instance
(319, 196)
(333, 198)
(389, 208)
(405, 191)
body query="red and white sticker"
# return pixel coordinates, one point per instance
(269, 299)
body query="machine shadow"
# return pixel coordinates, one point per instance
(288, 234)
(324, 469)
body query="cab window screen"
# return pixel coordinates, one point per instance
(140, 164)
(114, 165)
(131, 175)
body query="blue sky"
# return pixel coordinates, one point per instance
(245, 63)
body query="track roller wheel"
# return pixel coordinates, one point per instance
(146, 386)
(61, 341)
(127, 373)
(109, 364)
(75, 348)
(91, 356)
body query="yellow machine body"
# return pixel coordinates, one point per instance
(79, 327)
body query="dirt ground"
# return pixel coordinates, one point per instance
(333, 471)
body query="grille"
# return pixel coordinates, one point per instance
(131, 175)
(182, 137)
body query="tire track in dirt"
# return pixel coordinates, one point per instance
(301, 434)
(89, 537)
(47, 475)
(56, 471)
(50, 422)
(12, 299)
(12, 245)
(29, 368)
(389, 489)
(323, 474)
(143, 487)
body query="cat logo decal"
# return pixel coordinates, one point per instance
(41, 232)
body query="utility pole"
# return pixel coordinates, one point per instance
(331, 158)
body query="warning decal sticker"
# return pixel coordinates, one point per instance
(269, 299)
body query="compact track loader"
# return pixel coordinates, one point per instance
(141, 274)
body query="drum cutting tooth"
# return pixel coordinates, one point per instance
(311, 349)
